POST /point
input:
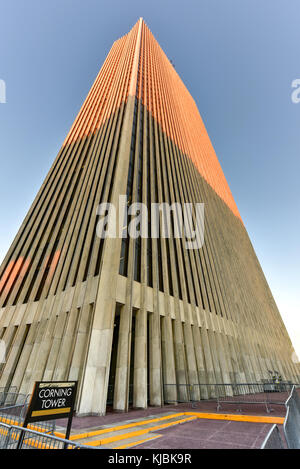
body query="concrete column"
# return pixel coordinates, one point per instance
(155, 361)
(214, 353)
(121, 390)
(211, 377)
(140, 361)
(96, 372)
(221, 347)
(168, 362)
(201, 365)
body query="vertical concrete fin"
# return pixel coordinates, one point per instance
(135, 65)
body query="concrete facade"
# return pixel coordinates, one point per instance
(125, 316)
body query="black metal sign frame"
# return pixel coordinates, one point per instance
(51, 400)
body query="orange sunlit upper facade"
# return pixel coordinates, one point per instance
(137, 58)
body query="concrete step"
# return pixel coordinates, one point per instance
(127, 433)
(124, 425)
(132, 441)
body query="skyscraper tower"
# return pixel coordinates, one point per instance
(124, 315)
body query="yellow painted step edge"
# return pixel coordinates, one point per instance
(203, 415)
(135, 443)
(31, 426)
(124, 436)
(80, 436)
(238, 418)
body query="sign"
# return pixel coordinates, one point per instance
(51, 400)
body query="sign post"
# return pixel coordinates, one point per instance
(51, 400)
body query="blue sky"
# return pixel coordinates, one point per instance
(238, 59)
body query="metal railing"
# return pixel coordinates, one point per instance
(267, 394)
(291, 426)
(13, 410)
(273, 439)
(11, 388)
(13, 407)
(9, 397)
(15, 437)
